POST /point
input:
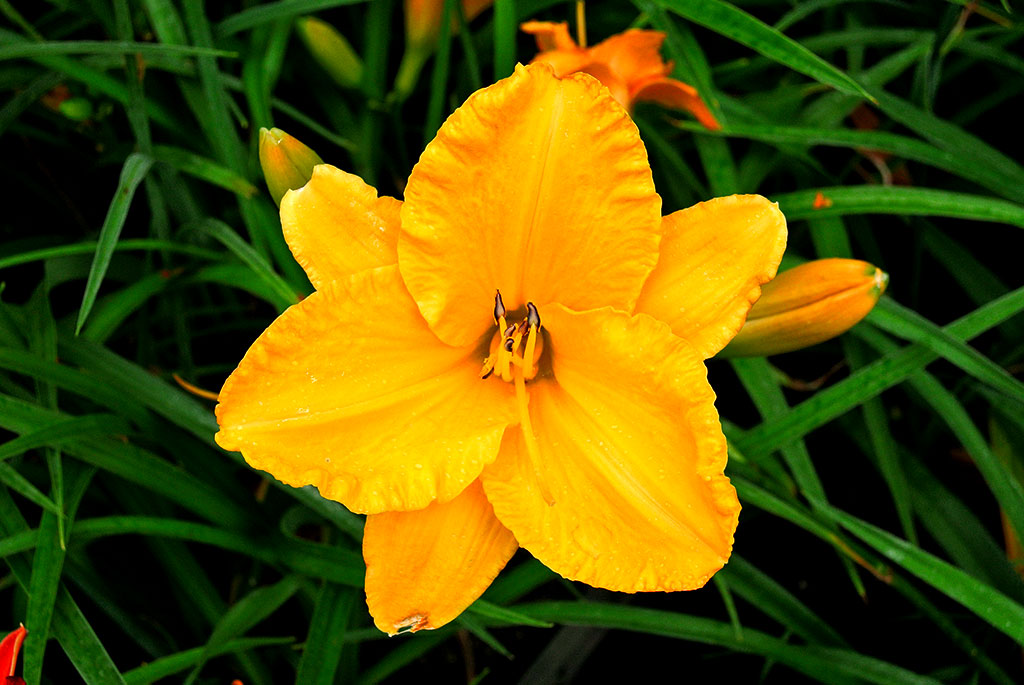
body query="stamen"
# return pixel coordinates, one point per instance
(499, 309)
(533, 324)
(581, 23)
(488, 366)
(532, 451)
(513, 335)
(506, 354)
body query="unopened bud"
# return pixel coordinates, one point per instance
(330, 49)
(287, 163)
(422, 29)
(808, 305)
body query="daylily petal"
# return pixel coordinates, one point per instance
(675, 94)
(336, 226)
(550, 35)
(9, 648)
(626, 490)
(634, 55)
(350, 391)
(564, 62)
(610, 80)
(714, 258)
(538, 187)
(423, 568)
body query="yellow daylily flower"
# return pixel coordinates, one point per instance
(514, 356)
(809, 304)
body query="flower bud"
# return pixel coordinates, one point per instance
(330, 49)
(422, 29)
(807, 305)
(287, 163)
(9, 648)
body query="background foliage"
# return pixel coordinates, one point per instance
(881, 474)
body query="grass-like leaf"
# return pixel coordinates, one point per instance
(734, 23)
(828, 664)
(850, 200)
(134, 170)
(990, 605)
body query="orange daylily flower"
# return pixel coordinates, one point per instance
(512, 356)
(9, 648)
(809, 304)
(629, 64)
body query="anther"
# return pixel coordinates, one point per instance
(499, 307)
(532, 317)
(509, 344)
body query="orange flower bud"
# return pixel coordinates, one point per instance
(422, 29)
(331, 51)
(423, 20)
(9, 648)
(807, 305)
(287, 163)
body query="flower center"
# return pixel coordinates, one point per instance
(515, 348)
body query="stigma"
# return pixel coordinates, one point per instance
(515, 348)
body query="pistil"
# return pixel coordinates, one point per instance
(526, 426)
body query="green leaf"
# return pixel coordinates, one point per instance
(481, 633)
(494, 612)
(732, 22)
(768, 596)
(134, 170)
(47, 568)
(831, 665)
(990, 605)
(205, 169)
(130, 462)
(15, 481)
(69, 624)
(505, 29)
(439, 77)
(898, 200)
(909, 325)
(90, 248)
(248, 612)
(98, 47)
(111, 311)
(406, 653)
(283, 9)
(84, 384)
(322, 651)
(166, 666)
(950, 137)
(285, 294)
(871, 380)
(1007, 489)
(961, 534)
(965, 166)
